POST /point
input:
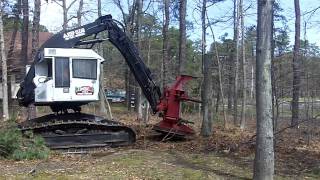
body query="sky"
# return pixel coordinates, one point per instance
(51, 16)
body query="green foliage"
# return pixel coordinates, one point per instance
(281, 41)
(9, 18)
(15, 145)
(10, 140)
(35, 149)
(309, 49)
(8, 24)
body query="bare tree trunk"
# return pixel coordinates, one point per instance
(17, 13)
(182, 37)
(65, 9)
(147, 105)
(65, 15)
(296, 66)
(35, 27)
(221, 92)
(206, 93)
(129, 23)
(15, 30)
(5, 107)
(275, 101)
(103, 100)
(25, 34)
(35, 45)
(165, 48)
(138, 37)
(264, 157)
(99, 8)
(243, 65)
(24, 47)
(79, 12)
(236, 60)
(252, 77)
(217, 101)
(129, 33)
(230, 84)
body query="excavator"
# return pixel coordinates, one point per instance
(65, 76)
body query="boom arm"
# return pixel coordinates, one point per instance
(74, 38)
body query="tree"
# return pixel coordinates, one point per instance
(236, 60)
(138, 38)
(25, 33)
(16, 22)
(17, 12)
(102, 98)
(80, 11)
(4, 70)
(129, 22)
(99, 8)
(182, 36)
(221, 92)
(24, 47)
(264, 155)
(65, 9)
(206, 94)
(35, 44)
(243, 67)
(35, 27)
(165, 48)
(296, 66)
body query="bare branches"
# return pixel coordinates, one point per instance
(61, 4)
(119, 5)
(147, 7)
(71, 4)
(311, 12)
(219, 71)
(58, 3)
(65, 9)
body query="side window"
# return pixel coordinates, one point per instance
(62, 72)
(49, 64)
(84, 68)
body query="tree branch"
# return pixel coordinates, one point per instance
(118, 4)
(71, 4)
(252, 139)
(312, 11)
(58, 3)
(147, 6)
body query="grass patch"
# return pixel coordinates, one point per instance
(193, 174)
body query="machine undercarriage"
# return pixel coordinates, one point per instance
(79, 130)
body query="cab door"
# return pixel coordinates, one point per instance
(61, 90)
(43, 81)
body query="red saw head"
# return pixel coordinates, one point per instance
(169, 107)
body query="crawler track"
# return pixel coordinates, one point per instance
(78, 130)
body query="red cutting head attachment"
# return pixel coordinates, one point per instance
(169, 107)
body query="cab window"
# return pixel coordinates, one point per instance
(62, 72)
(84, 68)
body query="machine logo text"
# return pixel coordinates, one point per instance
(74, 34)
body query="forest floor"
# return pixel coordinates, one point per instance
(227, 154)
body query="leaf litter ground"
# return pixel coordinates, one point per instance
(227, 154)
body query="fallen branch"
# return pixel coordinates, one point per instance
(252, 139)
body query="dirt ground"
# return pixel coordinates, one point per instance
(227, 154)
(150, 158)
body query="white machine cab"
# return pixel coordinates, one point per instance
(66, 74)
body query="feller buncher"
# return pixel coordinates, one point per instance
(65, 76)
